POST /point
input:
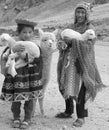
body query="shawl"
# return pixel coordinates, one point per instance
(68, 78)
(90, 74)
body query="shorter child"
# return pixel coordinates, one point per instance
(27, 84)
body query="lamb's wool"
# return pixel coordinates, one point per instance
(72, 34)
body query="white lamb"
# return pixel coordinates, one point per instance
(48, 46)
(30, 48)
(70, 33)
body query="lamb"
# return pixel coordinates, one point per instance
(30, 48)
(70, 33)
(48, 47)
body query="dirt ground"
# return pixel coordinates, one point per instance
(53, 103)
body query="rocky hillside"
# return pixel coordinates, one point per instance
(38, 10)
(9, 9)
(51, 13)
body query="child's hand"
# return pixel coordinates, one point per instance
(61, 45)
(5, 56)
(18, 48)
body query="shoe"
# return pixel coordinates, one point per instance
(24, 125)
(79, 122)
(63, 115)
(16, 123)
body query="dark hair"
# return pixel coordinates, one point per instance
(20, 27)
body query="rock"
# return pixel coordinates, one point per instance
(64, 127)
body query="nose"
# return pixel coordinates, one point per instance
(79, 14)
(50, 43)
(28, 36)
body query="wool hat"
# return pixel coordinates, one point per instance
(26, 22)
(85, 6)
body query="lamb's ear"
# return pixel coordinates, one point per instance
(40, 32)
(56, 31)
(4, 38)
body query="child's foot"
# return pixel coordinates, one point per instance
(24, 125)
(16, 123)
(79, 122)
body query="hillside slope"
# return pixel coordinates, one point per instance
(55, 13)
(43, 11)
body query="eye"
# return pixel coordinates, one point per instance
(53, 40)
(44, 40)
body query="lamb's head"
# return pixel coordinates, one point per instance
(11, 59)
(6, 40)
(90, 34)
(48, 39)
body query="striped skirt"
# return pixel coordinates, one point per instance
(26, 85)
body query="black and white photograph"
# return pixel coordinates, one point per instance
(54, 64)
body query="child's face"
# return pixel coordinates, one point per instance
(80, 15)
(26, 34)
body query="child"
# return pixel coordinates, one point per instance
(26, 85)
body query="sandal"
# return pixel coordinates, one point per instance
(16, 123)
(79, 122)
(24, 125)
(63, 115)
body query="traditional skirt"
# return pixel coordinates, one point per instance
(26, 85)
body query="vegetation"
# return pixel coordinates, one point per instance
(100, 1)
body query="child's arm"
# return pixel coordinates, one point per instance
(4, 58)
(4, 69)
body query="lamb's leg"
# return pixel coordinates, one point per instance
(41, 100)
(34, 107)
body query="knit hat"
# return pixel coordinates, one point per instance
(85, 6)
(26, 22)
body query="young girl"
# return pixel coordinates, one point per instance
(76, 66)
(26, 85)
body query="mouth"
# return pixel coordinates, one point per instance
(80, 19)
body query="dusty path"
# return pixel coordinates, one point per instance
(98, 112)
